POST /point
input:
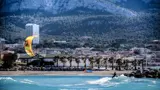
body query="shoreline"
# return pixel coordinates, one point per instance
(60, 73)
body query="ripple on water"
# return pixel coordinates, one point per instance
(79, 83)
(27, 81)
(7, 78)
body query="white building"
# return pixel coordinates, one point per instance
(60, 42)
(32, 29)
(85, 51)
(16, 45)
(2, 42)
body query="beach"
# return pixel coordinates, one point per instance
(62, 73)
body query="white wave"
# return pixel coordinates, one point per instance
(7, 78)
(151, 85)
(79, 84)
(27, 81)
(108, 81)
(94, 89)
(63, 89)
(67, 85)
(100, 81)
(154, 82)
(121, 78)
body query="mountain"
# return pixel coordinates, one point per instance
(61, 6)
(104, 19)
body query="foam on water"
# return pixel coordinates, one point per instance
(154, 82)
(100, 81)
(78, 83)
(109, 80)
(94, 89)
(69, 85)
(7, 78)
(10, 79)
(27, 81)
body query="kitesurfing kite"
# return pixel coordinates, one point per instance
(28, 45)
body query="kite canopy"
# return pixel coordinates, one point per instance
(28, 45)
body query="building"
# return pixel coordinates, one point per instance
(2, 42)
(13, 46)
(32, 29)
(153, 45)
(63, 42)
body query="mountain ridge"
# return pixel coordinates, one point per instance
(99, 19)
(61, 6)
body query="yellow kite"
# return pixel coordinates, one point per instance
(28, 45)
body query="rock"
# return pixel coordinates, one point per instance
(150, 73)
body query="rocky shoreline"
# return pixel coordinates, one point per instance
(149, 73)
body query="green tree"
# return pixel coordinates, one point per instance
(105, 62)
(91, 60)
(1, 62)
(62, 59)
(70, 59)
(84, 61)
(119, 64)
(57, 59)
(126, 64)
(9, 59)
(111, 60)
(77, 61)
(134, 63)
(98, 60)
(142, 64)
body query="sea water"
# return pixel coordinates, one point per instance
(77, 83)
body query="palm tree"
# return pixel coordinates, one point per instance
(105, 62)
(91, 60)
(62, 59)
(98, 62)
(111, 60)
(142, 64)
(77, 61)
(119, 63)
(70, 58)
(52, 62)
(135, 64)
(56, 59)
(126, 64)
(84, 61)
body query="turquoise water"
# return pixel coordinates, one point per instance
(77, 83)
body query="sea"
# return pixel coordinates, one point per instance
(77, 83)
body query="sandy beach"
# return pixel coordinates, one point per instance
(66, 73)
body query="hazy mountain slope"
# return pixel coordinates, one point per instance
(105, 19)
(61, 6)
(142, 27)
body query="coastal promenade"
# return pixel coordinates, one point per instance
(62, 73)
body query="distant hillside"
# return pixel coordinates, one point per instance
(63, 6)
(110, 26)
(101, 19)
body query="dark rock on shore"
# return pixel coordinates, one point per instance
(149, 73)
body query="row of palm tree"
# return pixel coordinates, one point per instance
(98, 60)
